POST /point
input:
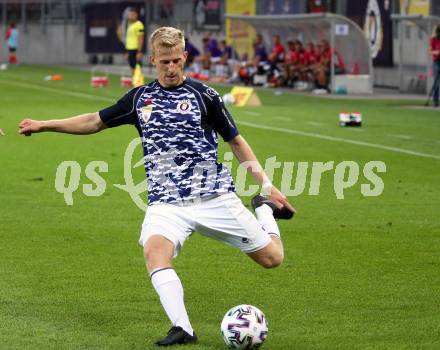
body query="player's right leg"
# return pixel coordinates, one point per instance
(271, 255)
(226, 219)
(162, 240)
(266, 212)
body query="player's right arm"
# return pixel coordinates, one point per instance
(83, 124)
(122, 112)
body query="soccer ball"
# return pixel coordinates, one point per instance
(244, 327)
(228, 99)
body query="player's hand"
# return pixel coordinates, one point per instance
(2, 133)
(29, 126)
(279, 199)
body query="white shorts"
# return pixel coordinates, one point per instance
(223, 218)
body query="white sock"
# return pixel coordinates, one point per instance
(169, 288)
(265, 217)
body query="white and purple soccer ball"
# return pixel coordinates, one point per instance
(244, 327)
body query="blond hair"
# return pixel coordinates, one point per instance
(166, 37)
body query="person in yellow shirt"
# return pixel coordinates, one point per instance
(134, 39)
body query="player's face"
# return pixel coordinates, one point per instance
(169, 63)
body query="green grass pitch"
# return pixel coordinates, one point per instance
(359, 272)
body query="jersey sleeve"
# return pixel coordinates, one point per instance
(122, 112)
(139, 29)
(219, 117)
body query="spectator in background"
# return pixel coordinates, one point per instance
(313, 53)
(323, 70)
(298, 67)
(260, 53)
(247, 68)
(12, 42)
(338, 61)
(210, 54)
(434, 51)
(134, 40)
(276, 57)
(192, 52)
(226, 52)
(278, 51)
(226, 63)
(290, 63)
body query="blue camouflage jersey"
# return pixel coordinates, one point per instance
(178, 127)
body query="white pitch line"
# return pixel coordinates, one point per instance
(264, 127)
(59, 91)
(338, 139)
(252, 113)
(285, 119)
(404, 137)
(315, 123)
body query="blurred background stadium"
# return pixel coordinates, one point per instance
(88, 32)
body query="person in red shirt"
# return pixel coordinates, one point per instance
(278, 50)
(322, 72)
(303, 61)
(434, 51)
(338, 61)
(275, 58)
(321, 67)
(290, 63)
(312, 53)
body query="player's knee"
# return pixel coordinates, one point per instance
(151, 252)
(158, 252)
(273, 260)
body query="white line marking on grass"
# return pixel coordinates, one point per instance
(398, 136)
(315, 123)
(252, 113)
(59, 91)
(339, 139)
(285, 119)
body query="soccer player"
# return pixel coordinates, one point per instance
(134, 39)
(188, 190)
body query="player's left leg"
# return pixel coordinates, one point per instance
(158, 252)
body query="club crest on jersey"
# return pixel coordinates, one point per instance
(184, 106)
(146, 112)
(147, 109)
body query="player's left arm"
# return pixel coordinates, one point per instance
(244, 154)
(224, 124)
